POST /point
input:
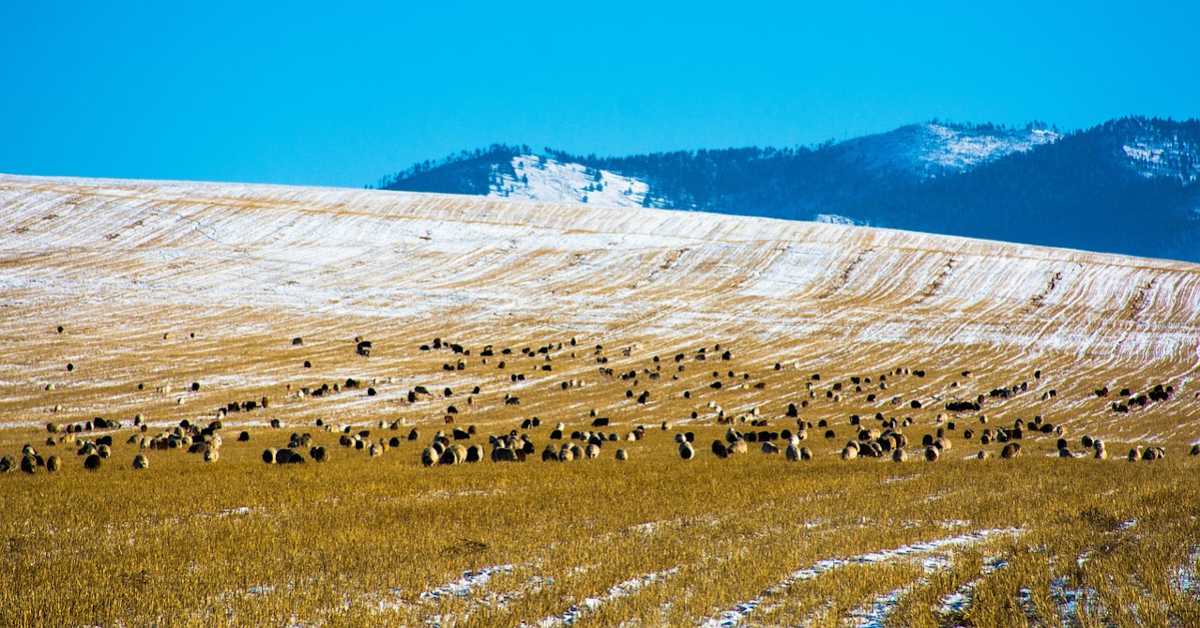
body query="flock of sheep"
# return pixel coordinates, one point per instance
(873, 436)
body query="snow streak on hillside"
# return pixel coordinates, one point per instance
(960, 149)
(544, 179)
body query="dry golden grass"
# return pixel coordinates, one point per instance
(654, 540)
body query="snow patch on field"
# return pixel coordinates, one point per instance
(739, 612)
(617, 591)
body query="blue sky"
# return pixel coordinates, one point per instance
(334, 94)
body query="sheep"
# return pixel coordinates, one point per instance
(7, 464)
(53, 464)
(770, 448)
(430, 456)
(899, 455)
(374, 451)
(92, 462)
(104, 451)
(1135, 454)
(932, 454)
(686, 451)
(739, 447)
(456, 454)
(792, 453)
(29, 464)
(1011, 450)
(318, 454)
(211, 454)
(849, 452)
(1154, 453)
(268, 455)
(622, 454)
(1195, 449)
(566, 454)
(474, 453)
(501, 454)
(592, 452)
(549, 454)
(719, 450)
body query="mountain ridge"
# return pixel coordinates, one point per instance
(983, 180)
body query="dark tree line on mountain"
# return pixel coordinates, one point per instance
(1082, 191)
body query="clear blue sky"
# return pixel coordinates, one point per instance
(321, 93)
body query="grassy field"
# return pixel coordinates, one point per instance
(884, 329)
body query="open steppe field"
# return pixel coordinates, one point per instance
(797, 358)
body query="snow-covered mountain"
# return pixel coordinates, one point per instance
(1129, 186)
(538, 178)
(933, 148)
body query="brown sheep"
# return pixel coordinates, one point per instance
(622, 454)
(932, 453)
(1011, 450)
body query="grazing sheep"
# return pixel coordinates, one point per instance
(899, 455)
(104, 451)
(770, 448)
(739, 447)
(592, 452)
(212, 454)
(244, 437)
(318, 454)
(1135, 454)
(932, 454)
(1154, 453)
(429, 456)
(29, 464)
(1100, 452)
(719, 450)
(849, 453)
(566, 454)
(474, 453)
(1011, 450)
(685, 451)
(268, 455)
(1196, 449)
(374, 451)
(53, 464)
(502, 454)
(622, 454)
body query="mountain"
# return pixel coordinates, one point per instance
(1126, 186)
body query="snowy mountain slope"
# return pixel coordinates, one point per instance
(535, 178)
(933, 149)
